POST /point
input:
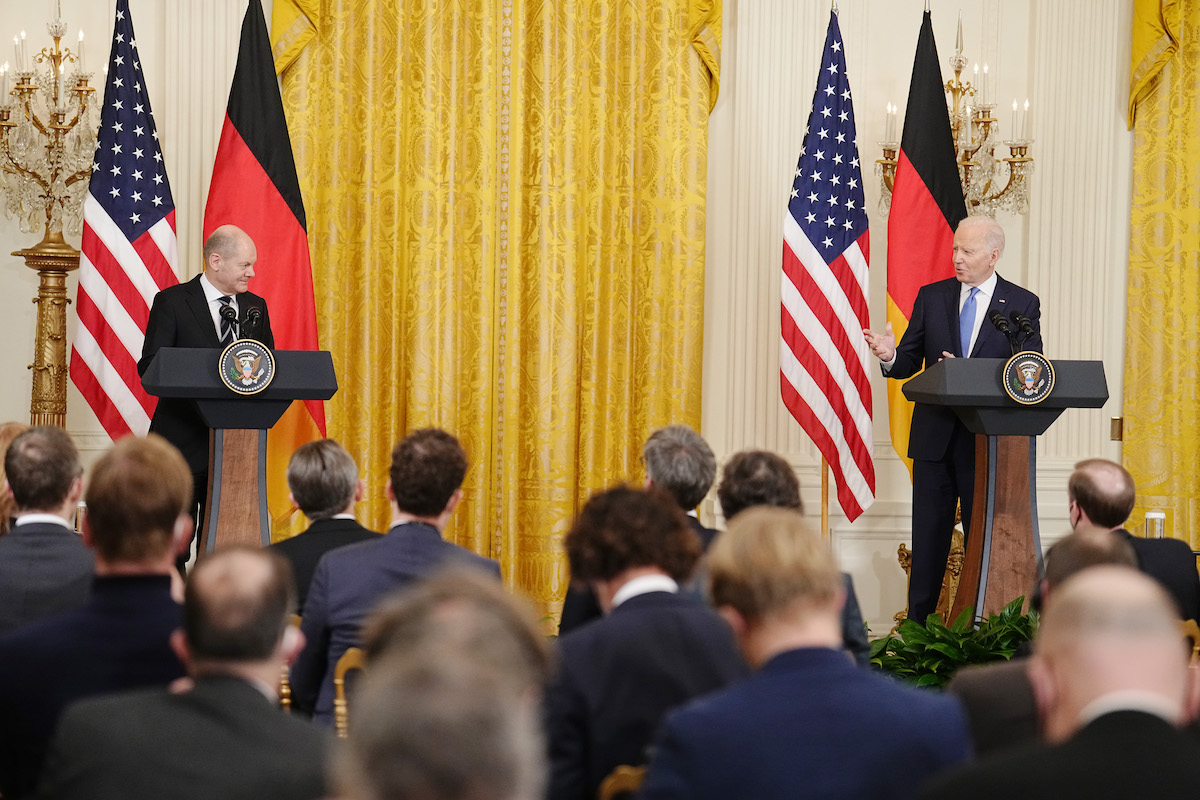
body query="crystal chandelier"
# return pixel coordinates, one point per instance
(47, 142)
(989, 184)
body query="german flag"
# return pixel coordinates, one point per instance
(927, 205)
(254, 186)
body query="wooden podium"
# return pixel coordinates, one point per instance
(1003, 556)
(236, 506)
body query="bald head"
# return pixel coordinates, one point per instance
(1101, 492)
(229, 258)
(1107, 629)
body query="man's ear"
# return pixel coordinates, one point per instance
(182, 535)
(360, 489)
(1045, 692)
(292, 500)
(8, 490)
(180, 646)
(452, 503)
(389, 492)
(85, 531)
(75, 493)
(736, 621)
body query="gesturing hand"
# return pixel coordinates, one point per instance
(883, 345)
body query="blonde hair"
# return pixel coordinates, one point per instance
(8, 506)
(771, 562)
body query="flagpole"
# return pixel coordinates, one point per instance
(825, 500)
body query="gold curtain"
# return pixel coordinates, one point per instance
(506, 214)
(1162, 350)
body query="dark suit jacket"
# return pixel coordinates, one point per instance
(348, 583)
(934, 328)
(619, 676)
(118, 640)
(808, 724)
(580, 606)
(223, 738)
(1125, 754)
(1000, 705)
(179, 317)
(45, 569)
(1172, 563)
(306, 549)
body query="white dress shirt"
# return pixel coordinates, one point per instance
(212, 296)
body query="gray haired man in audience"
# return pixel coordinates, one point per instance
(679, 462)
(1110, 672)
(323, 483)
(224, 737)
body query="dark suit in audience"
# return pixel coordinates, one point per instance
(808, 722)
(223, 737)
(45, 569)
(617, 678)
(118, 640)
(306, 549)
(1172, 563)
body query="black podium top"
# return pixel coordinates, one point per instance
(974, 388)
(193, 373)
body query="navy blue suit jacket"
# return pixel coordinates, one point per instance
(618, 676)
(179, 317)
(45, 569)
(808, 724)
(932, 329)
(1172, 563)
(120, 639)
(306, 549)
(348, 584)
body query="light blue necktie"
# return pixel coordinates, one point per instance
(966, 322)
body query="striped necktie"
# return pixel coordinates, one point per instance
(228, 319)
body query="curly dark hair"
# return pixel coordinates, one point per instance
(757, 478)
(428, 466)
(622, 528)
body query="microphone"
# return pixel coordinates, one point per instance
(253, 323)
(1024, 323)
(230, 316)
(1001, 323)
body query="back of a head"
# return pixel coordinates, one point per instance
(428, 467)
(1111, 629)
(8, 506)
(237, 606)
(622, 528)
(757, 478)
(136, 493)
(770, 563)
(464, 610)
(1104, 490)
(322, 478)
(1087, 546)
(40, 464)
(436, 725)
(680, 462)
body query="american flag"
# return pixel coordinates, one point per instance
(129, 246)
(823, 358)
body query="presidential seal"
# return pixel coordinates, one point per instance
(1028, 378)
(246, 366)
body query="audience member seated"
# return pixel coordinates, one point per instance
(8, 506)
(45, 569)
(438, 724)
(758, 478)
(466, 611)
(323, 483)
(137, 521)
(679, 462)
(998, 697)
(1102, 493)
(654, 649)
(808, 722)
(223, 737)
(1111, 675)
(424, 488)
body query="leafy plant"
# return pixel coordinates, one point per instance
(928, 654)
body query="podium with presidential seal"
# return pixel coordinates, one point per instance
(240, 392)
(1007, 404)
